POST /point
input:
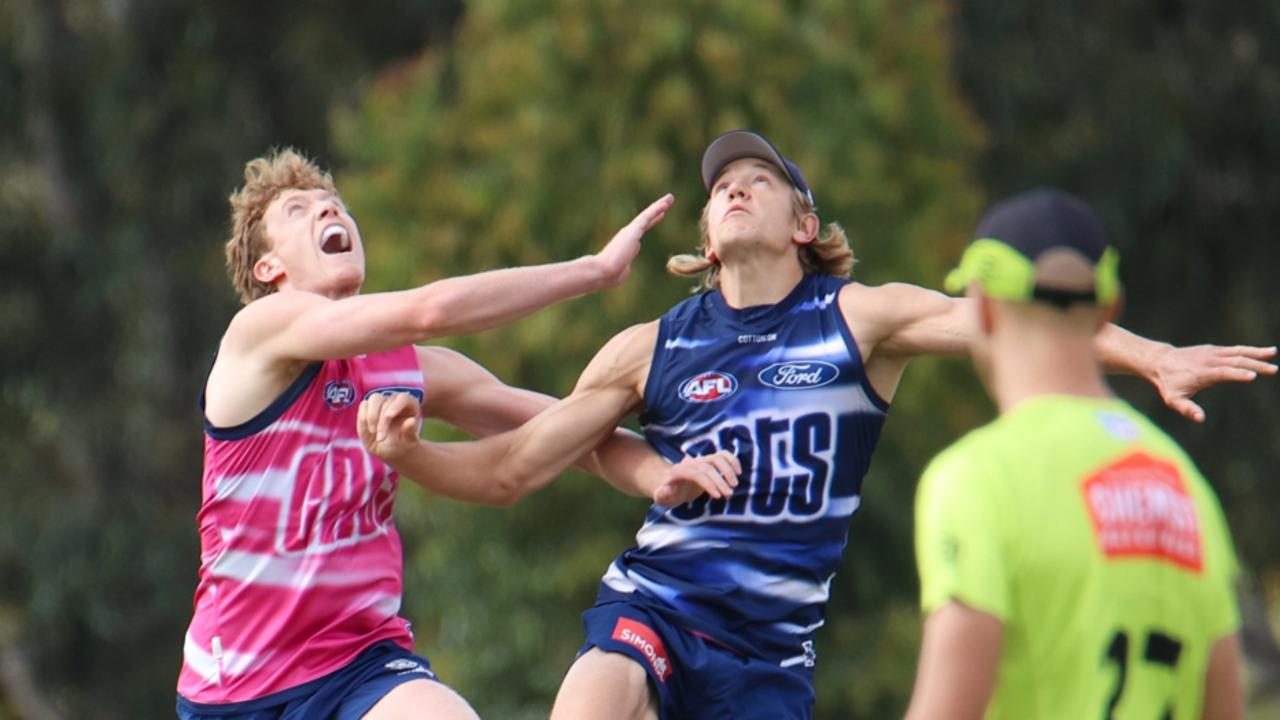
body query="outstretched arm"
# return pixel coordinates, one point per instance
(1178, 373)
(899, 321)
(466, 395)
(501, 469)
(496, 470)
(304, 326)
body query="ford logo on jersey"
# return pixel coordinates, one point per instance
(799, 375)
(708, 387)
(393, 389)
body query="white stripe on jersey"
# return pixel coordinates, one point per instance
(798, 629)
(201, 661)
(296, 571)
(797, 591)
(618, 580)
(393, 377)
(686, 343)
(274, 484)
(656, 535)
(816, 303)
(843, 507)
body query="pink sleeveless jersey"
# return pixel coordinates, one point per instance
(300, 562)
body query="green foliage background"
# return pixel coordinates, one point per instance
(499, 132)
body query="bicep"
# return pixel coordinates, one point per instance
(295, 325)
(464, 394)
(622, 364)
(913, 321)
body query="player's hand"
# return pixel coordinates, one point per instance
(615, 259)
(716, 475)
(1185, 371)
(389, 424)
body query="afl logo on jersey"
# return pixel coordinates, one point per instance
(338, 394)
(799, 375)
(708, 387)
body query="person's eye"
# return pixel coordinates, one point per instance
(293, 209)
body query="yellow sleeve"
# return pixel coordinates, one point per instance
(1222, 567)
(959, 548)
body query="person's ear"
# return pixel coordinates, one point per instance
(710, 254)
(986, 313)
(268, 269)
(806, 229)
(1110, 313)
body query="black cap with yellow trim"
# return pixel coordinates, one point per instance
(1020, 245)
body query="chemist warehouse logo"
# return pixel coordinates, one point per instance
(708, 387)
(643, 638)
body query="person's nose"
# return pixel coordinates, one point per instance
(330, 208)
(737, 190)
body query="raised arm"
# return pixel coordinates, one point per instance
(305, 326)
(1178, 373)
(497, 470)
(895, 322)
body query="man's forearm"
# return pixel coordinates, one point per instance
(627, 462)
(473, 303)
(1123, 352)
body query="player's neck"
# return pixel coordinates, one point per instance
(748, 284)
(1033, 367)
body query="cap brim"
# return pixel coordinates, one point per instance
(737, 145)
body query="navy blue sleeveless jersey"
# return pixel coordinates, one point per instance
(783, 387)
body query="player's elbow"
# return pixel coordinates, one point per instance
(430, 318)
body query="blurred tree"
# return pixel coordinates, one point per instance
(1163, 114)
(125, 126)
(539, 130)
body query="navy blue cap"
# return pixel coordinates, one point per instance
(1011, 237)
(739, 144)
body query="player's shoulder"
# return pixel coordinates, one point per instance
(640, 334)
(630, 347)
(266, 314)
(891, 304)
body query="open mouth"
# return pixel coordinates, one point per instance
(335, 240)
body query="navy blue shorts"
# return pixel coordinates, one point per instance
(694, 676)
(346, 694)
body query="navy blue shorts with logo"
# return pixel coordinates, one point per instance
(694, 676)
(345, 694)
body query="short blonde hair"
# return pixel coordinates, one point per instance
(828, 254)
(264, 179)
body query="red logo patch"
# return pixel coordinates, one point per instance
(1140, 508)
(643, 638)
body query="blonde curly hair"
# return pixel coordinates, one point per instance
(264, 179)
(828, 254)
